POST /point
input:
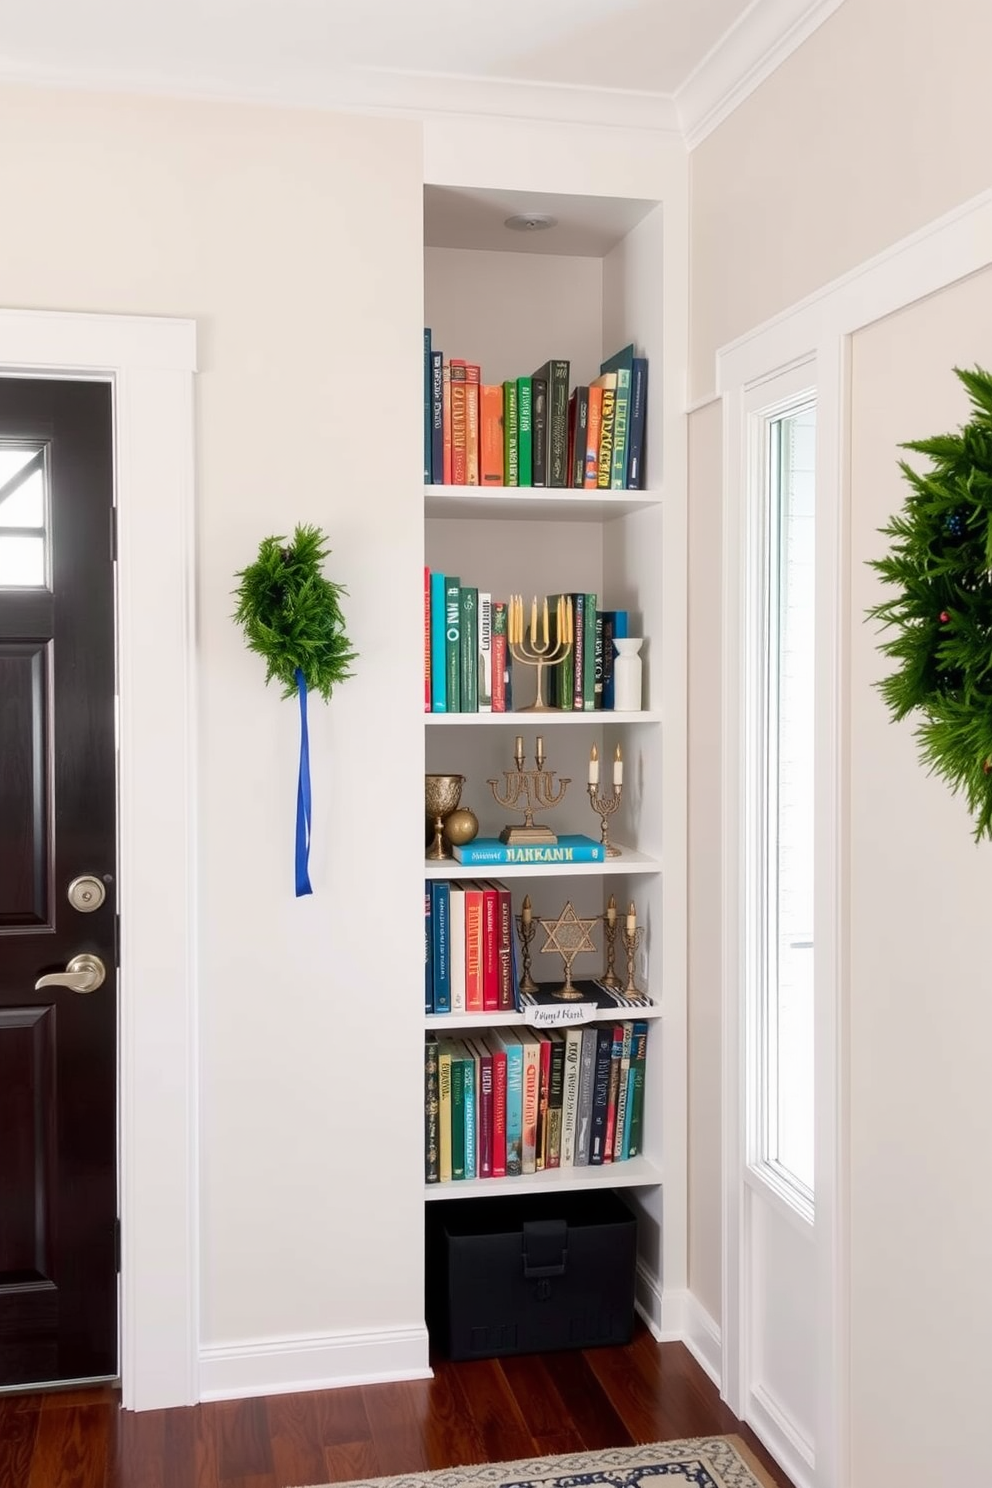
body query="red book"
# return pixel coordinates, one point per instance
(474, 936)
(543, 1096)
(427, 640)
(484, 1106)
(504, 947)
(490, 948)
(499, 1107)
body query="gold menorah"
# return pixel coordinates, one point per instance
(536, 788)
(538, 650)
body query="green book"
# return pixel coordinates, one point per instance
(468, 648)
(525, 454)
(511, 445)
(556, 374)
(452, 645)
(622, 364)
(589, 653)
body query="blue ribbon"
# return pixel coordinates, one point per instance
(303, 796)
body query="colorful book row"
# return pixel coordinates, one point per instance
(517, 1101)
(535, 430)
(470, 962)
(468, 667)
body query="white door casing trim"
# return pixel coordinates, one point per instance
(150, 364)
(820, 328)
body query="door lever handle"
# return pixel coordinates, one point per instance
(83, 973)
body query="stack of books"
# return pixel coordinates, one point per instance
(470, 963)
(517, 1101)
(535, 430)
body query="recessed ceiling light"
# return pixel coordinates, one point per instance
(530, 222)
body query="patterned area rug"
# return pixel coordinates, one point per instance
(703, 1462)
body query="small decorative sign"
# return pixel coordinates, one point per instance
(558, 1017)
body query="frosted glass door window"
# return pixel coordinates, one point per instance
(23, 517)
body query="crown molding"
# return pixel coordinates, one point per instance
(764, 37)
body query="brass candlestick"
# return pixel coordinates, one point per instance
(536, 787)
(633, 934)
(538, 650)
(526, 926)
(567, 936)
(609, 977)
(603, 805)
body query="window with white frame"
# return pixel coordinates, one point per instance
(780, 994)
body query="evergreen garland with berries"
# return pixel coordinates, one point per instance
(940, 562)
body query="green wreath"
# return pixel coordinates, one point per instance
(940, 562)
(291, 614)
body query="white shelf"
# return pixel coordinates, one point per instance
(524, 503)
(636, 1172)
(555, 718)
(629, 861)
(451, 1022)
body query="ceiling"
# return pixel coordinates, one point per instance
(671, 64)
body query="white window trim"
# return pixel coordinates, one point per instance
(149, 363)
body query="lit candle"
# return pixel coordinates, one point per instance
(533, 621)
(545, 620)
(631, 918)
(525, 910)
(594, 766)
(611, 910)
(618, 767)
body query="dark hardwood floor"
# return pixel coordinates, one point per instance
(490, 1410)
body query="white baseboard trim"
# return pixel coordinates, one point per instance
(785, 1441)
(277, 1366)
(701, 1336)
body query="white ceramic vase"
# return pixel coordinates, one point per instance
(627, 675)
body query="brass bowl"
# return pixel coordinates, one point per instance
(441, 795)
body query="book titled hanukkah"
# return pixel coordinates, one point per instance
(487, 851)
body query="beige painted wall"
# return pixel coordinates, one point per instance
(309, 339)
(920, 1012)
(875, 126)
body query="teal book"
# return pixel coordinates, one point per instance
(439, 673)
(623, 365)
(514, 1100)
(452, 643)
(511, 435)
(487, 852)
(468, 648)
(525, 453)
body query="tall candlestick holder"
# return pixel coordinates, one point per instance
(604, 807)
(538, 793)
(538, 650)
(609, 977)
(632, 938)
(526, 928)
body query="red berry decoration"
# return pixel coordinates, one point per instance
(944, 617)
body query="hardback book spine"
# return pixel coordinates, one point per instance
(578, 652)
(543, 1100)
(600, 1095)
(444, 1111)
(484, 1102)
(437, 418)
(457, 1112)
(620, 1086)
(452, 642)
(634, 1139)
(485, 688)
(570, 1095)
(459, 423)
(439, 665)
(531, 1094)
(474, 926)
(595, 424)
(489, 852)
(432, 1150)
(504, 998)
(446, 424)
(491, 435)
(473, 381)
(525, 432)
(428, 952)
(583, 1109)
(511, 435)
(621, 364)
(428, 445)
(560, 679)
(556, 1091)
(468, 648)
(605, 621)
(514, 1103)
(456, 944)
(637, 426)
(614, 1085)
(440, 901)
(499, 656)
(490, 948)
(589, 652)
(608, 382)
(498, 1053)
(539, 432)
(599, 668)
(578, 434)
(427, 640)
(559, 474)
(470, 1065)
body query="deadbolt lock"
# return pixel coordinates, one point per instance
(86, 893)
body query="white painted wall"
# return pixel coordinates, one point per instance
(309, 341)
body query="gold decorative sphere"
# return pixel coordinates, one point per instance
(461, 826)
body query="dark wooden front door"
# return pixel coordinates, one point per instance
(58, 1046)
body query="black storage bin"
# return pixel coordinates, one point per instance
(530, 1274)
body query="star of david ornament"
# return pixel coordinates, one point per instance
(567, 936)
